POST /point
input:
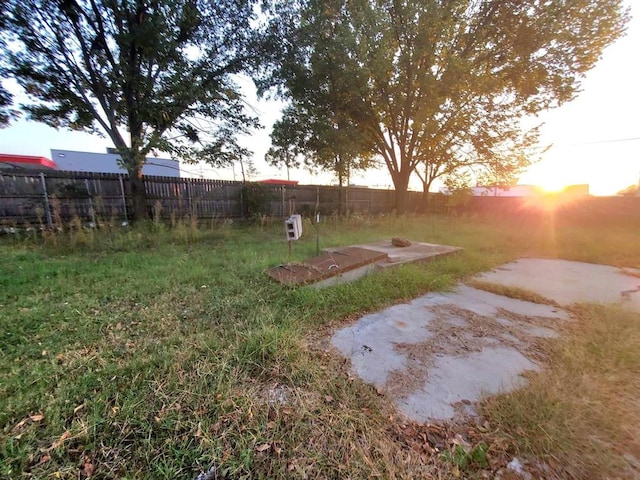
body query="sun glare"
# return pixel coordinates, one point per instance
(553, 187)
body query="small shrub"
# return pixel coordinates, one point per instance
(256, 199)
(467, 459)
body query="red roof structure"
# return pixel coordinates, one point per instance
(275, 181)
(8, 160)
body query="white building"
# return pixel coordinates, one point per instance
(108, 163)
(513, 191)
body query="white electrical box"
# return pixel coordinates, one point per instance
(293, 227)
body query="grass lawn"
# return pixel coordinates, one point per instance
(161, 354)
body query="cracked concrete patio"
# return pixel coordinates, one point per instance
(437, 355)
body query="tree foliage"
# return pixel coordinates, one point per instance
(6, 113)
(324, 139)
(6, 99)
(437, 85)
(316, 128)
(150, 74)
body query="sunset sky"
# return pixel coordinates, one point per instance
(595, 139)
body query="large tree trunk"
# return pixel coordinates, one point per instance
(138, 195)
(426, 199)
(401, 184)
(424, 204)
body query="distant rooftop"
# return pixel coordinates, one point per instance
(31, 162)
(276, 181)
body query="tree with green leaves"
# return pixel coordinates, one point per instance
(6, 100)
(316, 129)
(285, 140)
(437, 85)
(152, 75)
(327, 141)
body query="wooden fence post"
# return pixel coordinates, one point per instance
(92, 212)
(189, 198)
(370, 201)
(46, 200)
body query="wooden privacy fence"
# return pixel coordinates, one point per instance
(553, 208)
(48, 198)
(52, 198)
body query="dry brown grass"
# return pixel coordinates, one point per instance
(511, 292)
(580, 416)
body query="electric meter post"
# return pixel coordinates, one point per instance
(293, 229)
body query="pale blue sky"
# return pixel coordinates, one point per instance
(596, 138)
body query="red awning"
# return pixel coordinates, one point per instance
(25, 161)
(275, 181)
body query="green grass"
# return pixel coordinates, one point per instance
(581, 415)
(150, 353)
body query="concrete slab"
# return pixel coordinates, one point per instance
(328, 264)
(345, 277)
(571, 282)
(416, 252)
(435, 355)
(438, 354)
(455, 382)
(346, 264)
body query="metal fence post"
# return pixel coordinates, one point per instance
(46, 200)
(283, 207)
(124, 199)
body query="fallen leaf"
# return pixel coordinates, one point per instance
(328, 398)
(263, 447)
(44, 459)
(87, 467)
(458, 440)
(20, 424)
(61, 440)
(33, 418)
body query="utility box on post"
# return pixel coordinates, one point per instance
(293, 227)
